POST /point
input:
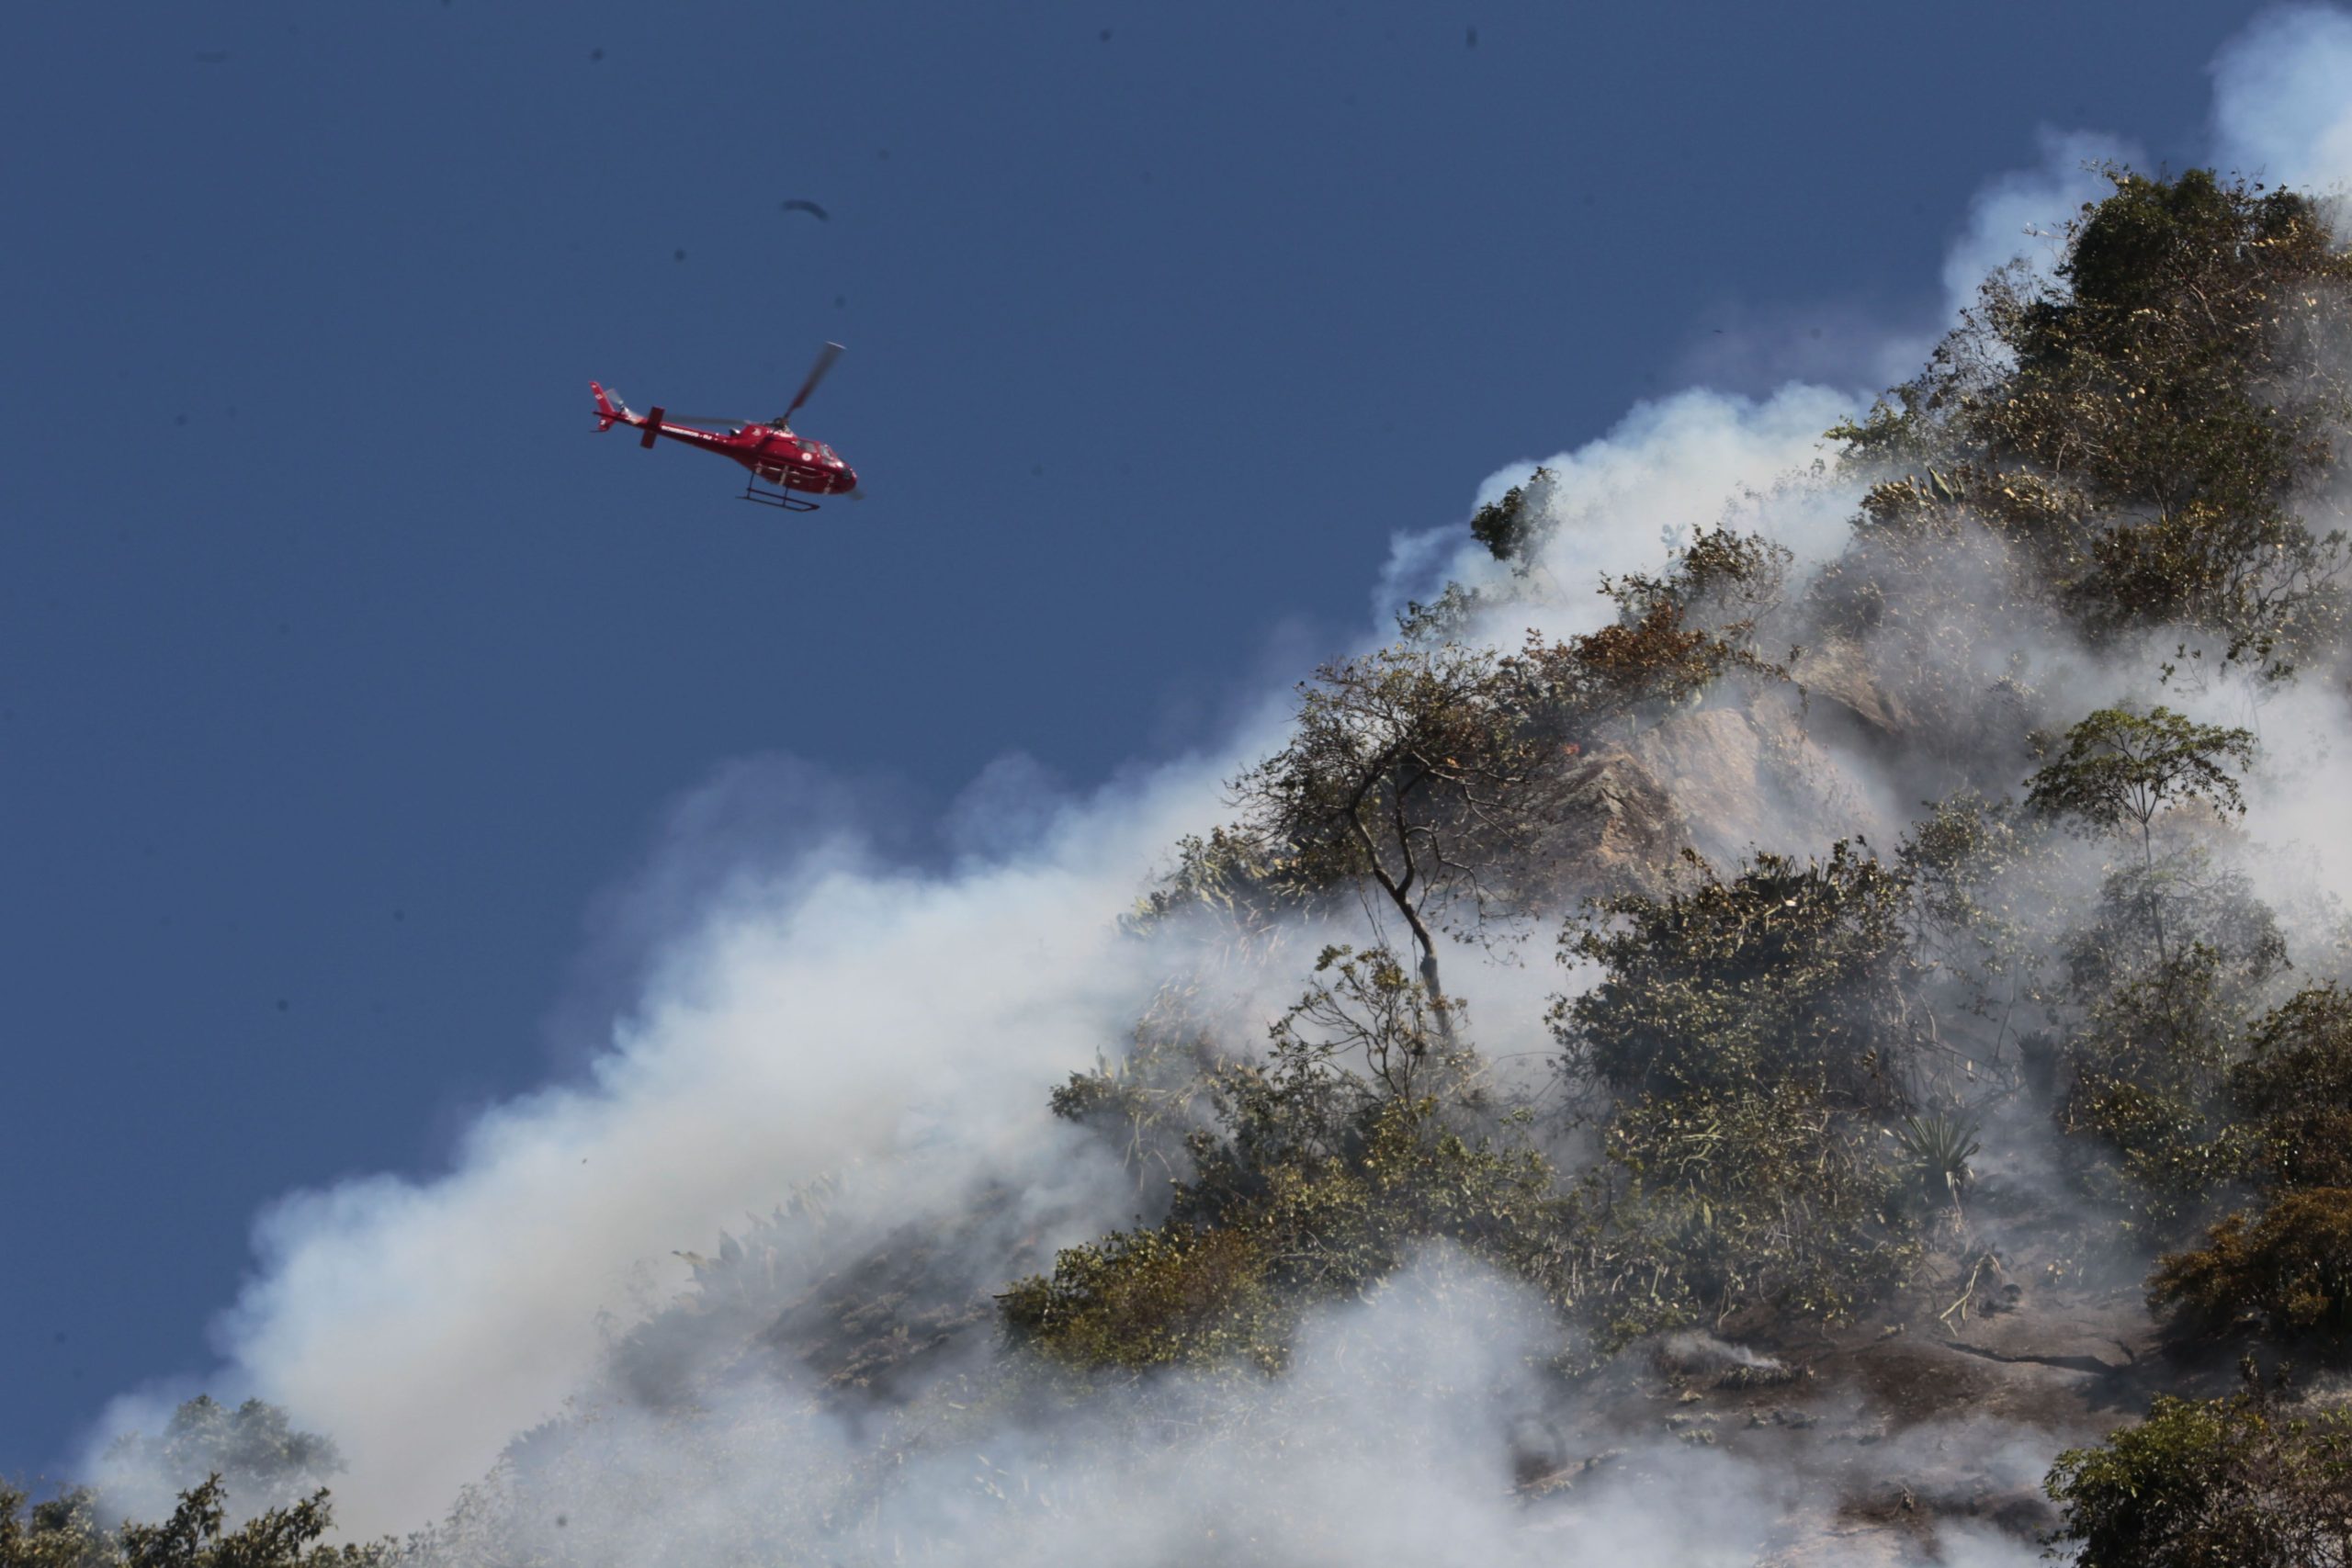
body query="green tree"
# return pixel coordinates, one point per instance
(2118, 769)
(2173, 967)
(196, 1536)
(62, 1532)
(261, 1459)
(1512, 526)
(65, 1533)
(1406, 769)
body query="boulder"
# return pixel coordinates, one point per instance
(1747, 781)
(1615, 828)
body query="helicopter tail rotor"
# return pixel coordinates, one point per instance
(609, 410)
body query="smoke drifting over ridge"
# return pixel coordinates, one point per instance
(780, 1038)
(828, 1009)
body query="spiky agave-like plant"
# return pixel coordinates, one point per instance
(1935, 1148)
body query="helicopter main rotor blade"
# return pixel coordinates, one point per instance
(825, 358)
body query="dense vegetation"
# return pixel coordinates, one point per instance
(2213, 1484)
(1774, 1080)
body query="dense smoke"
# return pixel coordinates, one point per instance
(820, 1019)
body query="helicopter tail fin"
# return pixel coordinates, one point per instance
(608, 409)
(652, 424)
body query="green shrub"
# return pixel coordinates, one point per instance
(1147, 1298)
(2166, 982)
(1251, 1245)
(1735, 1048)
(1739, 1202)
(2294, 1090)
(1335, 1159)
(1785, 974)
(2290, 1272)
(1982, 903)
(2145, 1074)
(2229, 1483)
(1932, 1155)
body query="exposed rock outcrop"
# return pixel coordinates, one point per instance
(1744, 780)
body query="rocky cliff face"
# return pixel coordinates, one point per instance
(1724, 781)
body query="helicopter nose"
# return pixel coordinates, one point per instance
(846, 480)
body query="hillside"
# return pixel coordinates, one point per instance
(1752, 1064)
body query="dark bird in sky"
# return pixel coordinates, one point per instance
(798, 205)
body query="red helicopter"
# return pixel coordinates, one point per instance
(769, 449)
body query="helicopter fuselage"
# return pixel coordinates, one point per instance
(773, 452)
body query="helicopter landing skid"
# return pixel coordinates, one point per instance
(782, 500)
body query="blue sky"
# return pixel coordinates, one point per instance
(345, 672)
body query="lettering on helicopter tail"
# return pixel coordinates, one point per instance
(652, 427)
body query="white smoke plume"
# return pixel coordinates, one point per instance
(425, 1324)
(2280, 109)
(820, 1006)
(2018, 216)
(1621, 501)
